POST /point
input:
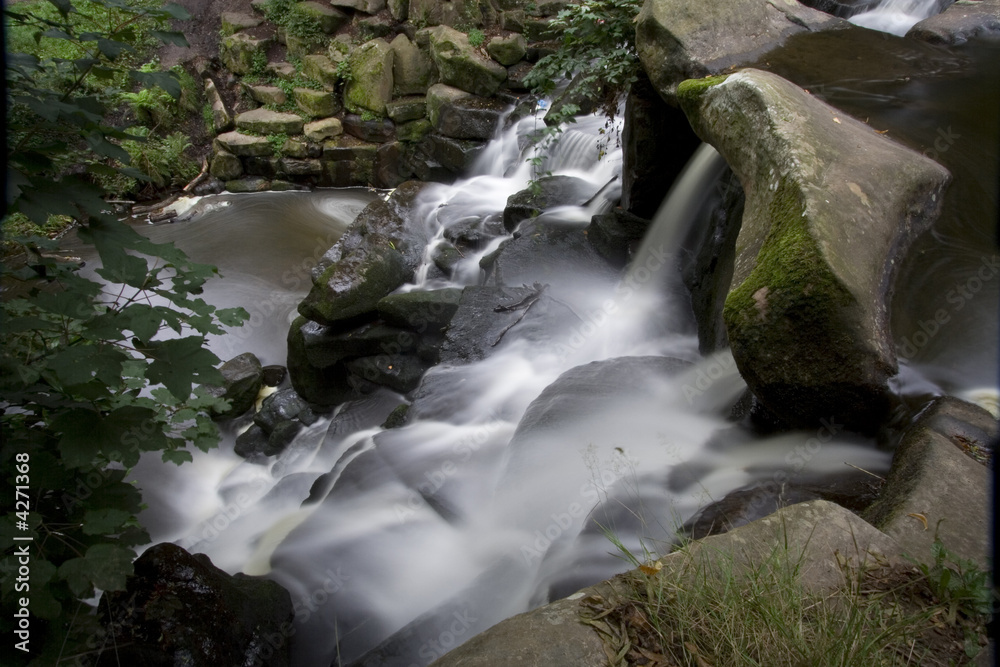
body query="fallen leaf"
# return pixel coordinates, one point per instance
(919, 517)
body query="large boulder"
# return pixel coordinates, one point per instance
(179, 609)
(370, 85)
(831, 206)
(470, 118)
(690, 39)
(462, 66)
(242, 378)
(413, 71)
(962, 21)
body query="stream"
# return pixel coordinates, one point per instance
(501, 492)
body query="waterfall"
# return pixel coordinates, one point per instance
(400, 544)
(897, 16)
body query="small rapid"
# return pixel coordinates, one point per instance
(897, 16)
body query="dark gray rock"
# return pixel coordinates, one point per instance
(455, 155)
(470, 118)
(281, 406)
(376, 131)
(426, 312)
(551, 191)
(242, 379)
(178, 608)
(326, 346)
(398, 372)
(962, 21)
(616, 235)
(273, 375)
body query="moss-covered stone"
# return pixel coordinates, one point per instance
(462, 66)
(316, 103)
(233, 22)
(265, 121)
(370, 86)
(831, 206)
(238, 52)
(329, 19)
(413, 70)
(321, 69)
(407, 108)
(321, 130)
(690, 90)
(267, 94)
(244, 145)
(437, 96)
(248, 184)
(414, 131)
(507, 50)
(225, 166)
(460, 14)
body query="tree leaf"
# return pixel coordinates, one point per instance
(79, 364)
(120, 434)
(104, 521)
(181, 362)
(177, 456)
(170, 37)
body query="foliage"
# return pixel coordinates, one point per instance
(344, 71)
(160, 159)
(597, 53)
(293, 18)
(957, 583)
(713, 607)
(94, 369)
(277, 141)
(476, 38)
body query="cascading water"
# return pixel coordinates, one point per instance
(897, 16)
(495, 496)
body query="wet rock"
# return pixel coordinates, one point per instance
(462, 66)
(389, 165)
(962, 21)
(325, 347)
(831, 207)
(841, 8)
(657, 143)
(178, 608)
(370, 86)
(478, 328)
(469, 118)
(400, 373)
(560, 258)
(265, 121)
(242, 379)
(351, 288)
(281, 406)
(375, 131)
(690, 39)
(248, 184)
(273, 375)
(252, 443)
(427, 311)
(551, 191)
(615, 235)
(455, 155)
(326, 385)
(397, 417)
(931, 456)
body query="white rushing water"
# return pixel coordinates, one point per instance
(496, 495)
(896, 16)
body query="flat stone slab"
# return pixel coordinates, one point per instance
(245, 145)
(934, 488)
(266, 121)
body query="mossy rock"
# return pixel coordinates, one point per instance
(248, 184)
(321, 69)
(440, 94)
(831, 207)
(507, 50)
(265, 121)
(460, 14)
(299, 46)
(323, 129)
(244, 145)
(352, 287)
(238, 52)
(329, 19)
(414, 131)
(225, 166)
(413, 70)
(462, 66)
(405, 109)
(370, 86)
(267, 95)
(233, 22)
(316, 103)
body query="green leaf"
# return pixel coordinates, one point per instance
(176, 11)
(79, 364)
(177, 456)
(110, 565)
(232, 317)
(165, 80)
(125, 431)
(104, 521)
(181, 362)
(170, 37)
(120, 267)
